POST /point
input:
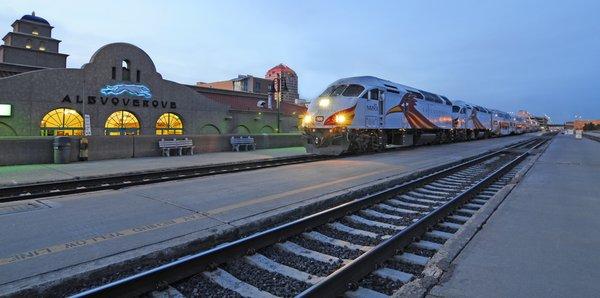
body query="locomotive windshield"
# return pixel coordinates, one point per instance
(327, 91)
(352, 90)
(338, 90)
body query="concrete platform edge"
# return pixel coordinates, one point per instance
(440, 265)
(61, 282)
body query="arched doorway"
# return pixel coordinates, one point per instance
(242, 130)
(267, 129)
(169, 124)
(6, 130)
(62, 122)
(122, 123)
(210, 129)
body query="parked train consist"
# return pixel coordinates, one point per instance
(362, 114)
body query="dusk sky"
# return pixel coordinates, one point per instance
(542, 56)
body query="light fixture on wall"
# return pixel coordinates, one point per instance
(5, 110)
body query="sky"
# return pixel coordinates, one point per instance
(541, 56)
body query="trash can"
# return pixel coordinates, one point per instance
(62, 149)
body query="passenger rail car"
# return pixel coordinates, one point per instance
(363, 114)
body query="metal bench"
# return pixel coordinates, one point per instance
(178, 145)
(247, 142)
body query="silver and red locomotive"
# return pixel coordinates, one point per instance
(363, 114)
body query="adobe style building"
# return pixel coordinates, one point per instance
(119, 91)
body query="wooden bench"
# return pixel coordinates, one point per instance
(247, 142)
(178, 145)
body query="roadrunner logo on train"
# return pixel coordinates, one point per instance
(362, 114)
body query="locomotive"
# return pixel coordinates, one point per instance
(363, 114)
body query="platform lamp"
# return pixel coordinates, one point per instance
(281, 87)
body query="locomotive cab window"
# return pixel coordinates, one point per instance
(374, 94)
(353, 90)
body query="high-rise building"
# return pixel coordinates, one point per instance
(290, 78)
(30, 46)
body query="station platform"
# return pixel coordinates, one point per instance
(45, 240)
(544, 239)
(27, 174)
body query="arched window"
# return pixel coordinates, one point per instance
(267, 129)
(6, 130)
(28, 44)
(35, 31)
(62, 122)
(126, 70)
(242, 129)
(42, 46)
(122, 123)
(210, 129)
(169, 124)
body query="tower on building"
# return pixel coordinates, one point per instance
(289, 78)
(30, 46)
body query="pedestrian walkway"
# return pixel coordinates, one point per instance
(19, 174)
(544, 240)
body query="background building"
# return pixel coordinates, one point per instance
(542, 121)
(243, 83)
(580, 123)
(281, 75)
(30, 46)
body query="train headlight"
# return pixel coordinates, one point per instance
(324, 102)
(340, 119)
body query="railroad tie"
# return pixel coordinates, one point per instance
(228, 281)
(412, 259)
(267, 264)
(364, 292)
(373, 213)
(307, 253)
(316, 236)
(393, 274)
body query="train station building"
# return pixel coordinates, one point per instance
(119, 92)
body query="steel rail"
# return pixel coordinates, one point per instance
(37, 190)
(338, 282)
(185, 267)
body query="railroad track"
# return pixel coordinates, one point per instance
(369, 246)
(37, 190)
(23, 192)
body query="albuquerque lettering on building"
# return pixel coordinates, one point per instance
(103, 100)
